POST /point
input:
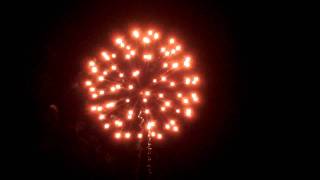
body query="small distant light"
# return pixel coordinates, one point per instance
(94, 69)
(106, 125)
(156, 36)
(136, 33)
(159, 136)
(127, 135)
(94, 95)
(88, 83)
(117, 135)
(146, 40)
(102, 117)
(105, 56)
(171, 41)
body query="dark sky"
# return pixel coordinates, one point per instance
(59, 139)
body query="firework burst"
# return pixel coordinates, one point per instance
(144, 85)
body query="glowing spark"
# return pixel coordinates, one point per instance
(136, 33)
(117, 135)
(106, 125)
(188, 112)
(102, 116)
(110, 105)
(105, 56)
(88, 83)
(171, 41)
(94, 69)
(135, 73)
(146, 40)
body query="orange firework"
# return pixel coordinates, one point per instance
(145, 86)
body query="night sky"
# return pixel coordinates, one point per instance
(57, 139)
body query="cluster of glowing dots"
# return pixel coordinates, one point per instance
(143, 86)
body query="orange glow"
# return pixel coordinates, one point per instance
(152, 83)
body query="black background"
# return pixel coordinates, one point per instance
(56, 139)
